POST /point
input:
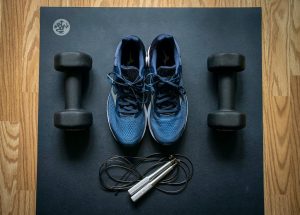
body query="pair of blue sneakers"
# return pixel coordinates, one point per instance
(135, 73)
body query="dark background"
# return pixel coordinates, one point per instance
(228, 177)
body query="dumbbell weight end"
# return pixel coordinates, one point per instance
(73, 64)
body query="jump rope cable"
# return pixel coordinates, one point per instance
(135, 169)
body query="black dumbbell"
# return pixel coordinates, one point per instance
(225, 66)
(73, 64)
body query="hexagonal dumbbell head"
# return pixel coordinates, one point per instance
(73, 117)
(225, 66)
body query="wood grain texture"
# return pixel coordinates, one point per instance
(294, 45)
(10, 59)
(28, 145)
(295, 143)
(276, 28)
(9, 139)
(19, 60)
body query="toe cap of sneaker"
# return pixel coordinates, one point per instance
(127, 130)
(168, 129)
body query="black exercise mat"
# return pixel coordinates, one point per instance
(228, 177)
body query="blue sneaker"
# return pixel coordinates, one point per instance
(168, 109)
(126, 110)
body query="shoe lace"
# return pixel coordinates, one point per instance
(131, 95)
(167, 92)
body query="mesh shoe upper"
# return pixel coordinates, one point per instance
(168, 108)
(125, 104)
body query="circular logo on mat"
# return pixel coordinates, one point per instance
(61, 27)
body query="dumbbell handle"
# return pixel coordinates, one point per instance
(73, 90)
(227, 88)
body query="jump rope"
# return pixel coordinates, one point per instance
(121, 173)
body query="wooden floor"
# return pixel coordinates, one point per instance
(19, 60)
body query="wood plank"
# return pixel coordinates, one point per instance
(30, 47)
(277, 149)
(10, 54)
(26, 203)
(28, 142)
(295, 144)
(276, 39)
(9, 142)
(294, 44)
(278, 204)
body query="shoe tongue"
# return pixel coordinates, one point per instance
(130, 72)
(166, 71)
